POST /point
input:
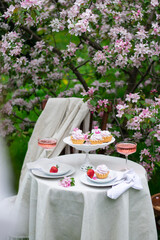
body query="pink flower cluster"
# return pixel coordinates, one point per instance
(67, 182)
(132, 97)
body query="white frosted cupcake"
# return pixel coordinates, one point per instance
(77, 136)
(102, 171)
(95, 129)
(106, 135)
(96, 138)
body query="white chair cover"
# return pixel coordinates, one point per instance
(59, 117)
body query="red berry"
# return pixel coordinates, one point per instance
(53, 169)
(90, 173)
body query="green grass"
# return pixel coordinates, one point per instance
(17, 151)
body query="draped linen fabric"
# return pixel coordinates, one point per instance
(59, 117)
(48, 211)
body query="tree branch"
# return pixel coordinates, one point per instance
(143, 77)
(82, 64)
(23, 120)
(95, 45)
(59, 53)
(150, 18)
(79, 76)
(30, 32)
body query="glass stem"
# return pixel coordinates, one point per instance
(126, 162)
(87, 158)
(47, 153)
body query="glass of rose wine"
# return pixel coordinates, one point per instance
(47, 144)
(126, 148)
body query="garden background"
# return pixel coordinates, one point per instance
(106, 52)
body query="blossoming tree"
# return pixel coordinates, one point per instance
(45, 43)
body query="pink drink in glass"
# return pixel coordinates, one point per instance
(126, 148)
(47, 143)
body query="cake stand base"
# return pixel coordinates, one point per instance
(86, 165)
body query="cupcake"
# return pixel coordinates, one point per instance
(96, 138)
(77, 136)
(95, 129)
(102, 171)
(106, 135)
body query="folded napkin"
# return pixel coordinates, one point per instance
(126, 180)
(37, 164)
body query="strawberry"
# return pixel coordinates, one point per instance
(54, 169)
(90, 173)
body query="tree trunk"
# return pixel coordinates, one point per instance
(132, 80)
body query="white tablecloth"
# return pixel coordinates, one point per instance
(53, 212)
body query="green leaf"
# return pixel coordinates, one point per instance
(93, 102)
(72, 182)
(37, 12)
(155, 58)
(128, 116)
(153, 120)
(144, 126)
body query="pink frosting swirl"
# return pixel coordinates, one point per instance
(77, 135)
(105, 133)
(102, 169)
(96, 136)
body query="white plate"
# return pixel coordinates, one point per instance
(62, 169)
(43, 175)
(87, 147)
(84, 179)
(111, 176)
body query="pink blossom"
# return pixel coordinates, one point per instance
(134, 123)
(6, 127)
(154, 3)
(153, 91)
(146, 113)
(132, 97)
(9, 11)
(66, 182)
(116, 133)
(148, 142)
(137, 135)
(7, 108)
(157, 135)
(148, 81)
(120, 109)
(157, 149)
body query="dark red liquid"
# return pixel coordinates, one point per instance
(47, 143)
(126, 148)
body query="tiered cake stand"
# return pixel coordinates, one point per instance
(86, 147)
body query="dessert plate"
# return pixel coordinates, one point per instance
(84, 179)
(62, 169)
(39, 173)
(111, 176)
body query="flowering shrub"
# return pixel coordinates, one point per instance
(98, 36)
(142, 118)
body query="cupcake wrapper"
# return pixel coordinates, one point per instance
(102, 175)
(96, 141)
(77, 141)
(107, 139)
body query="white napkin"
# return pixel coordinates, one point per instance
(127, 179)
(38, 164)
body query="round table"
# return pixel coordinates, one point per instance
(81, 212)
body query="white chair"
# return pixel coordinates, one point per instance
(58, 119)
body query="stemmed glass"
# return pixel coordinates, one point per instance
(126, 148)
(47, 144)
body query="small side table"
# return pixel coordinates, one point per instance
(156, 207)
